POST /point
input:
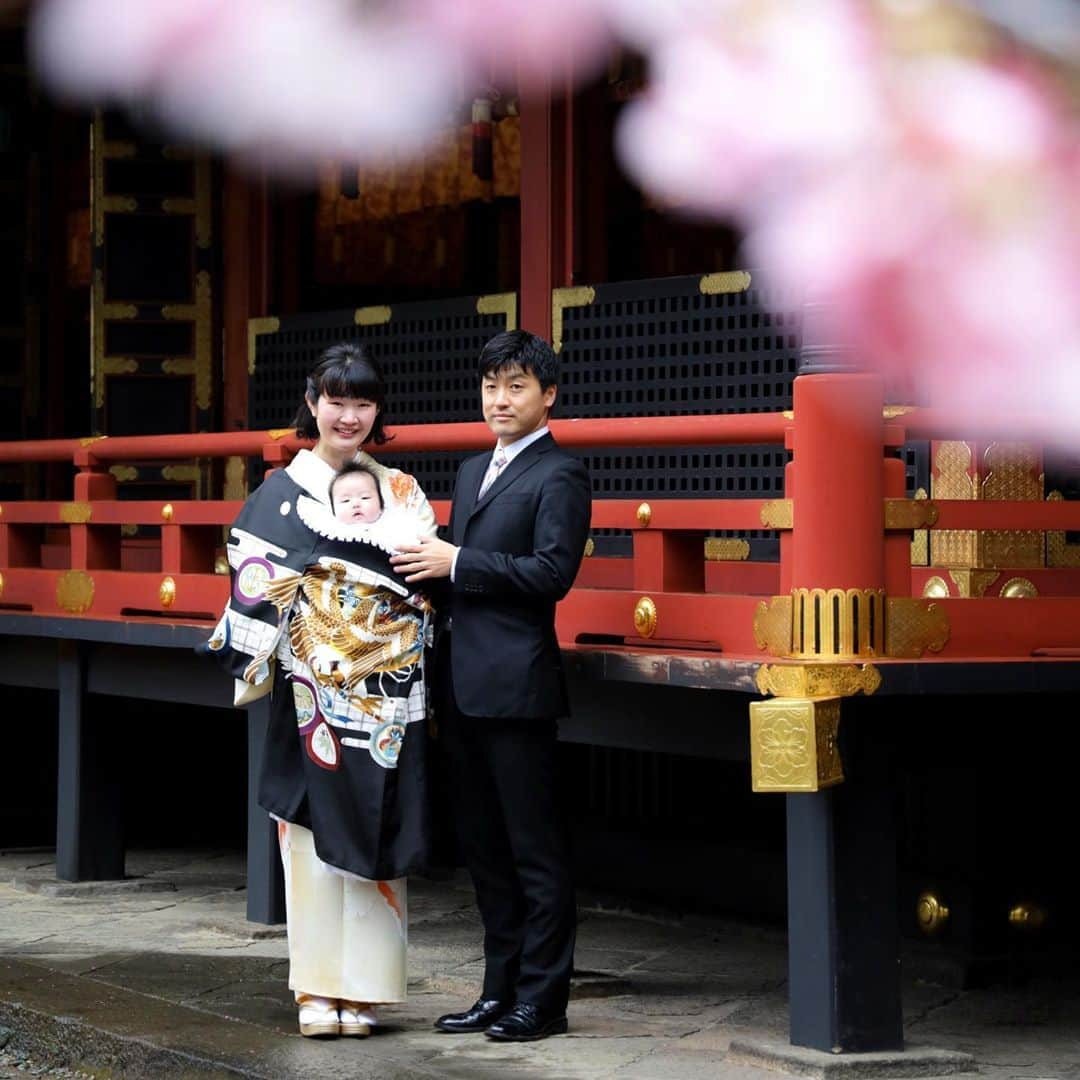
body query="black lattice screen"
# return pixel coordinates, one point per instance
(427, 350)
(681, 346)
(668, 346)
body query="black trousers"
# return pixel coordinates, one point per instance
(512, 835)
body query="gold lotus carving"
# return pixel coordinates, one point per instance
(793, 745)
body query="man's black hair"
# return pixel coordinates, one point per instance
(355, 467)
(345, 370)
(520, 349)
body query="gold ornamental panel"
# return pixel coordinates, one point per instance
(772, 626)
(504, 304)
(732, 281)
(75, 513)
(376, 315)
(971, 584)
(920, 540)
(75, 591)
(913, 627)
(718, 549)
(1058, 552)
(256, 328)
(817, 680)
(837, 622)
(793, 744)
(561, 299)
(778, 514)
(910, 513)
(951, 478)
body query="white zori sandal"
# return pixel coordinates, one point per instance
(318, 1015)
(357, 1018)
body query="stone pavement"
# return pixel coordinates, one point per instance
(163, 976)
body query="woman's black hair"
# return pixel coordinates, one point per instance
(345, 370)
(348, 469)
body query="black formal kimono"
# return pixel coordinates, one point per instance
(318, 616)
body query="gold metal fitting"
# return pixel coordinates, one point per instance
(644, 514)
(1, 584)
(645, 617)
(590, 547)
(167, 592)
(935, 587)
(75, 591)
(793, 744)
(167, 512)
(931, 914)
(1019, 588)
(221, 565)
(1027, 916)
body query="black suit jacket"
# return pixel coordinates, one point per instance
(521, 546)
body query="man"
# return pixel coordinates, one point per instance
(518, 525)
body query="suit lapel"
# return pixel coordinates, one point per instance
(512, 473)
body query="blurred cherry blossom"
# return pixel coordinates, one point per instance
(295, 81)
(907, 160)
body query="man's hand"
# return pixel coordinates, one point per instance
(426, 559)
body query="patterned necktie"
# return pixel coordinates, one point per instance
(498, 460)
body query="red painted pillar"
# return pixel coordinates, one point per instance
(546, 206)
(838, 453)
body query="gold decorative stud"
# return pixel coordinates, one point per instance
(930, 913)
(644, 514)
(1027, 916)
(221, 565)
(1, 584)
(936, 586)
(1019, 588)
(645, 617)
(167, 512)
(590, 547)
(167, 592)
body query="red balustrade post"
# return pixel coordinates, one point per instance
(841, 861)
(93, 547)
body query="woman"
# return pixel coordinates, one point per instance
(325, 624)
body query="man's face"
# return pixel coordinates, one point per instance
(356, 499)
(514, 404)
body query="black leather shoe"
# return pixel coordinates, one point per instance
(478, 1018)
(526, 1022)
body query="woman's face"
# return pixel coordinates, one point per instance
(343, 423)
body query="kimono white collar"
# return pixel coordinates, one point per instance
(314, 475)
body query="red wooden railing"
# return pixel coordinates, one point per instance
(68, 558)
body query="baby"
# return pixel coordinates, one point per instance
(355, 497)
(356, 500)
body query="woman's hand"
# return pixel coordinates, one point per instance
(428, 558)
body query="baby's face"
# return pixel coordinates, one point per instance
(356, 499)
